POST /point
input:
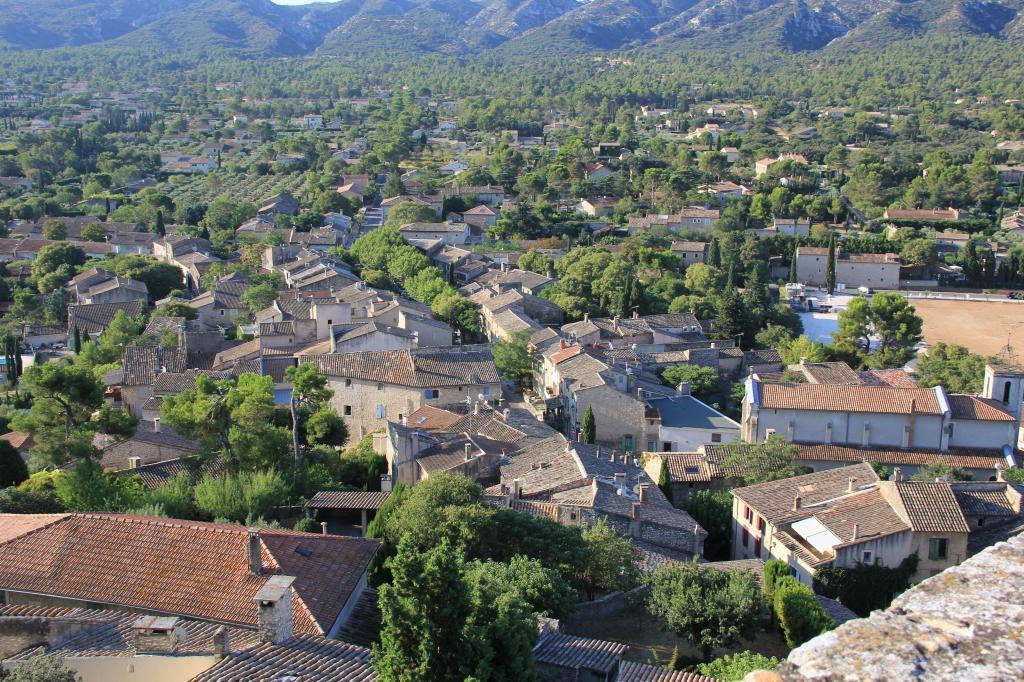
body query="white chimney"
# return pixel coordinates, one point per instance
(323, 527)
(156, 424)
(468, 449)
(856, 531)
(274, 602)
(851, 485)
(897, 474)
(134, 462)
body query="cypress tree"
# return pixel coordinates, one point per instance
(792, 261)
(665, 480)
(76, 341)
(830, 265)
(160, 228)
(715, 253)
(588, 434)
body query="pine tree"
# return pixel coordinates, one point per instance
(76, 341)
(830, 265)
(588, 434)
(665, 480)
(160, 228)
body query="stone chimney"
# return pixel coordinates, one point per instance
(505, 414)
(642, 492)
(157, 635)
(1000, 475)
(134, 462)
(221, 642)
(636, 314)
(635, 513)
(897, 474)
(562, 344)
(255, 557)
(586, 317)
(856, 531)
(851, 485)
(274, 602)
(468, 449)
(798, 502)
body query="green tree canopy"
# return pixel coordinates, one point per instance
(951, 366)
(703, 381)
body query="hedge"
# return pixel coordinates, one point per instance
(799, 613)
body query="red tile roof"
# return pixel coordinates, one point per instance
(838, 398)
(185, 568)
(958, 458)
(979, 409)
(14, 525)
(348, 499)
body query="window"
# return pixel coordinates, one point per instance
(716, 438)
(666, 447)
(867, 557)
(746, 537)
(760, 524)
(222, 311)
(627, 442)
(380, 412)
(981, 522)
(431, 393)
(938, 548)
(348, 383)
(1006, 392)
(330, 322)
(348, 410)
(757, 548)
(651, 445)
(380, 386)
(486, 391)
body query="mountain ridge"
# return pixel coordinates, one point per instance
(344, 27)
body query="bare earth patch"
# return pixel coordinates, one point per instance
(980, 326)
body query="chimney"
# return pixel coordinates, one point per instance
(851, 485)
(157, 635)
(405, 420)
(586, 317)
(1000, 475)
(134, 462)
(476, 408)
(856, 530)
(797, 503)
(517, 488)
(274, 602)
(642, 491)
(635, 513)
(505, 414)
(620, 479)
(468, 449)
(323, 528)
(897, 474)
(255, 557)
(156, 424)
(683, 388)
(636, 314)
(221, 642)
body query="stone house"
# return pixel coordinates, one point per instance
(871, 270)
(372, 387)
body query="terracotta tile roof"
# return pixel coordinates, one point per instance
(563, 354)
(15, 525)
(830, 373)
(172, 383)
(348, 499)
(958, 458)
(774, 499)
(430, 418)
(631, 671)
(95, 317)
(536, 508)
(979, 409)
(143, 363)
(833, 398)
(579, 653)
(18, 439)
(690, 467)
(984, 499)
(305, 658)
(928, 507)
(868, 510)
(895, 378)
(185, 568)
(363, 627)
(427, 367)
(111, 632)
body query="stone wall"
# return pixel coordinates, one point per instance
(967, 623)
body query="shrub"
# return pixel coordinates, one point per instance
(237, 497)
(13, 469)
(306, 525)
(18, 501)
(175, 497)
(774, 570)
(800, 615)
(735, 667)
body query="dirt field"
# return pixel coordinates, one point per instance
(981, 326)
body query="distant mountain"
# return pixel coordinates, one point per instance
(260, 27)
